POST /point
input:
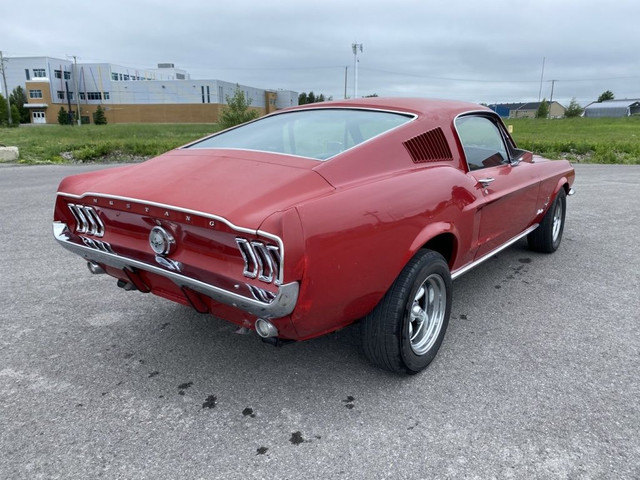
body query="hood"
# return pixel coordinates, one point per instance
(242, 186)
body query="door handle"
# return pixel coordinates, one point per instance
(486, 181)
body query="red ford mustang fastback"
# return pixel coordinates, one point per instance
(315, 217)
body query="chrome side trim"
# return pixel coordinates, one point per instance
(456, 273)
(281, 305)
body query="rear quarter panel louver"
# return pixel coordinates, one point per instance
(430, 146)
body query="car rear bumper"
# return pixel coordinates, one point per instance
(280, 306)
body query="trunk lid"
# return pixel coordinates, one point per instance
(242, 186)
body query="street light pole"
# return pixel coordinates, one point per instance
(355, 47)
(75, 81)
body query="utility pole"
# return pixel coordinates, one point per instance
(4, 79)
(345, 82)
(355, 47)
(553, 82)
(75, 81)
(541, 77)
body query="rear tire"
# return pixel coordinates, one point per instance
(405, 330)
(546, 238)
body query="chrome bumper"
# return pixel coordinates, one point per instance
(282, 304)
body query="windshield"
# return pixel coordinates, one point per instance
(319, 134)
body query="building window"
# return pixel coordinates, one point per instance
(60, 95)
(208, 95)
(70, 95)
(81, 95)
(202, 90)
(125, 77)
(67, 75)
(26, 72)
(39, 73)
(95, 95)
(114, 77)
(57, 73)
(35, 93)
(180, 76)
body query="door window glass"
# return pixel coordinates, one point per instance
(481, 141)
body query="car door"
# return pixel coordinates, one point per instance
(509, 187)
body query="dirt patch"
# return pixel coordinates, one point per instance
(113, 157)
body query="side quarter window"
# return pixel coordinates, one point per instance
(482, 142)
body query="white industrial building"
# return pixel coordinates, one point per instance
(163, 94)
(613, 108)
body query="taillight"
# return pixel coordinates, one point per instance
(87, 220)
(261, 261)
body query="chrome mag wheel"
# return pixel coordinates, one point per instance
(427, 314)
(557, 222)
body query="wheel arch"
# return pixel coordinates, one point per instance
(564, 184)
(439, 237)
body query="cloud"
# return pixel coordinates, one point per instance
(479, 51)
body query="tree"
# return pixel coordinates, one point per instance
(4, 114)
(15, 116)
(371, 96)
(99, 118)
(543, 109)
(305, 98)
(574, 109)
(606, 95)
(237, 110)
(63, 117)
(18, 98)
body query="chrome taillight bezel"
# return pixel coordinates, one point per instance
(87, 220)
(261, 260)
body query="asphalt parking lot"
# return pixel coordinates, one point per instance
(537, 376)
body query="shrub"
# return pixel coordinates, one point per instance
(99, 118)
(237, 110)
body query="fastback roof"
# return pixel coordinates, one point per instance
(420, 106)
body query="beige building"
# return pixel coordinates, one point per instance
(526, 110)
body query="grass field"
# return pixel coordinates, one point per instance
(577, 139)
(120, 142)
(589, 140)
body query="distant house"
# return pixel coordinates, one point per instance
(613, 108)
(526, 110)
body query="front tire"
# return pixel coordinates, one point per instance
(405, 330)
(546, 238)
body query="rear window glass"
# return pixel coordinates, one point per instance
(318, 134)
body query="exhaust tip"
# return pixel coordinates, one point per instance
(265, 328)
(95, 268)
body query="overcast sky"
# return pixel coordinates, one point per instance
(475, 50)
